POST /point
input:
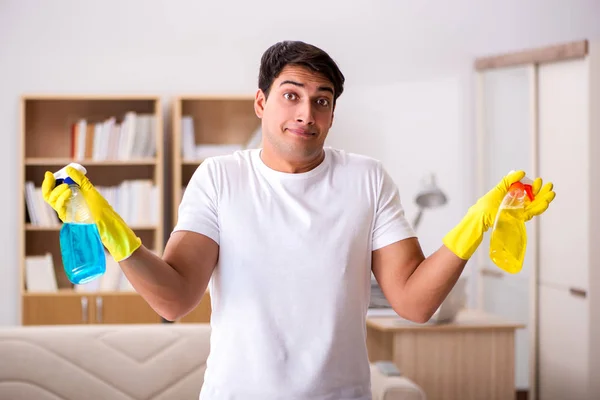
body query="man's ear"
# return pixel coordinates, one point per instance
(259, 103)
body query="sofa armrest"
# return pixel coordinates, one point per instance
(385, 387)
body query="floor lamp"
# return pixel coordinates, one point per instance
(430, 196)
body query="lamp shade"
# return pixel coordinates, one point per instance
(430, 196)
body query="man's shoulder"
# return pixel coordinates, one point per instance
(351, 160)
(237, 159)
(215, 169)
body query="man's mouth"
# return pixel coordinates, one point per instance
(301, 132)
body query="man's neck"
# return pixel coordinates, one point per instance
(280, 164)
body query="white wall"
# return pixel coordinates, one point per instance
(408, 68)
(415, 128)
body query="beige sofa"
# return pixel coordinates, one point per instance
(123, 362)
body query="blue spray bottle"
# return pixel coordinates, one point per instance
(80, 245)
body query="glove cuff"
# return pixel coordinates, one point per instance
(118, 238)
(465, 237)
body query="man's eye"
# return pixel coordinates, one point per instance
(323, 102)
(289, 96)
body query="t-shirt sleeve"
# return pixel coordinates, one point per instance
(390, 224)
(198, 210)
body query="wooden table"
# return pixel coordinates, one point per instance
(472, 357)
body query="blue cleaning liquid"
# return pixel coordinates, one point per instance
(82, 252)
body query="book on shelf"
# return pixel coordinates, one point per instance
(39, 212)
(39, 274)
(191, 151)
(135, 200)
(134, 137)
(40, 277)
(113, 280)
(188, 142)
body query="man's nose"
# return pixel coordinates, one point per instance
(305, 113)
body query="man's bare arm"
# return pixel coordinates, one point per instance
(415, 286)
(175, 284)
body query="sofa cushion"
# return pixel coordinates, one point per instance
(123, 362)
(159, 361)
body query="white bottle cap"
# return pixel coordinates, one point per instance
(62, 173)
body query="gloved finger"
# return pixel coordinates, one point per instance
(547, 188)
(536, 186)
(536, 209)
(545, 194)
(61, 202)
(59, 191)
(48, 185)
(540, 204)
(545, 197)
(512, 177)
(79, 178)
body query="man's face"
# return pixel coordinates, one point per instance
(297, 115)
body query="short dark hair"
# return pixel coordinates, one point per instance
(281, 54)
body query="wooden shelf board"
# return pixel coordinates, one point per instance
(220, 97)
(30, 227)
(72, 292)
(64, 161)
(87, 97)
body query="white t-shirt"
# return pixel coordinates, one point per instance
(292, 285)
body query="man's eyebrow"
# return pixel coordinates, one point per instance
(320, 88)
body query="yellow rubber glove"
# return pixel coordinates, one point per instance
(117, 237)
(465, 237)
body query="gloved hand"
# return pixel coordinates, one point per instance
(117, 237)
(465, 237)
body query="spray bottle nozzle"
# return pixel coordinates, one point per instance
(528, 185)
(524, 185)
(61, 175)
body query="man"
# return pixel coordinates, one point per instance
(287, 237)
